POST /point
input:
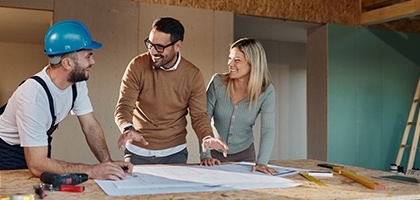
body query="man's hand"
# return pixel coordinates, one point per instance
(264, 169)
(210, 162)
(215, 143)
(130, 135)
(110, 170)
(126, 166)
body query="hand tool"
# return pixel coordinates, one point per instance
(40, 189)
(352, 175)
(66, 179)
(312, 179)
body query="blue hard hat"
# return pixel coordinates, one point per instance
(68, 36)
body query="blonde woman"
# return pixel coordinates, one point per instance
(234, 101)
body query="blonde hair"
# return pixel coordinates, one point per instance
(259, 79)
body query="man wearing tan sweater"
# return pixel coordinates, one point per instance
(157, 90)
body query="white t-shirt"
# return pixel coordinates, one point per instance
(27, 116)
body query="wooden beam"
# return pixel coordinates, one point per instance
(391, 13)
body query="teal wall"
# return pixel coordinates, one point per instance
(372, 76)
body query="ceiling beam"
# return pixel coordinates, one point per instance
(391, 13)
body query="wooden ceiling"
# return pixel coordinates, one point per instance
(397, 15)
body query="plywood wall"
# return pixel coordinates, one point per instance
(402, 25)
(320, 11)
(344, 12)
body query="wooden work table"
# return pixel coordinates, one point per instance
(338, 187)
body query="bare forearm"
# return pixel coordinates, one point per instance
(102, 171)
(94, 137)
(58, 167)
(38, 162)
(97, 144)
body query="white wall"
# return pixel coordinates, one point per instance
(287, 65)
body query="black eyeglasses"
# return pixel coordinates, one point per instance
(159, 48)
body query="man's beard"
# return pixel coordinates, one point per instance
(77, 74)
(158, 64)
(163, 62)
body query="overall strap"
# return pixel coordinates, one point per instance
(50, 99)
(2, 108)
(51, 102)
(74, 89)
(52, 112)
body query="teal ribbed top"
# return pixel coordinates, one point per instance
(234, 122)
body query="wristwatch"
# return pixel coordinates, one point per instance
(128, 128)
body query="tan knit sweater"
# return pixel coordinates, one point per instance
(156, 102)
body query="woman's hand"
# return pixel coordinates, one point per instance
(264, 169)
(210, 162)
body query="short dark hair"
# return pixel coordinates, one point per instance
(171, 26)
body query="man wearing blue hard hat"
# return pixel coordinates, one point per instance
(41, 102)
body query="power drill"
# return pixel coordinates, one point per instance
(67, 179)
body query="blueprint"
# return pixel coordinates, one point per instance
(161, 179)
